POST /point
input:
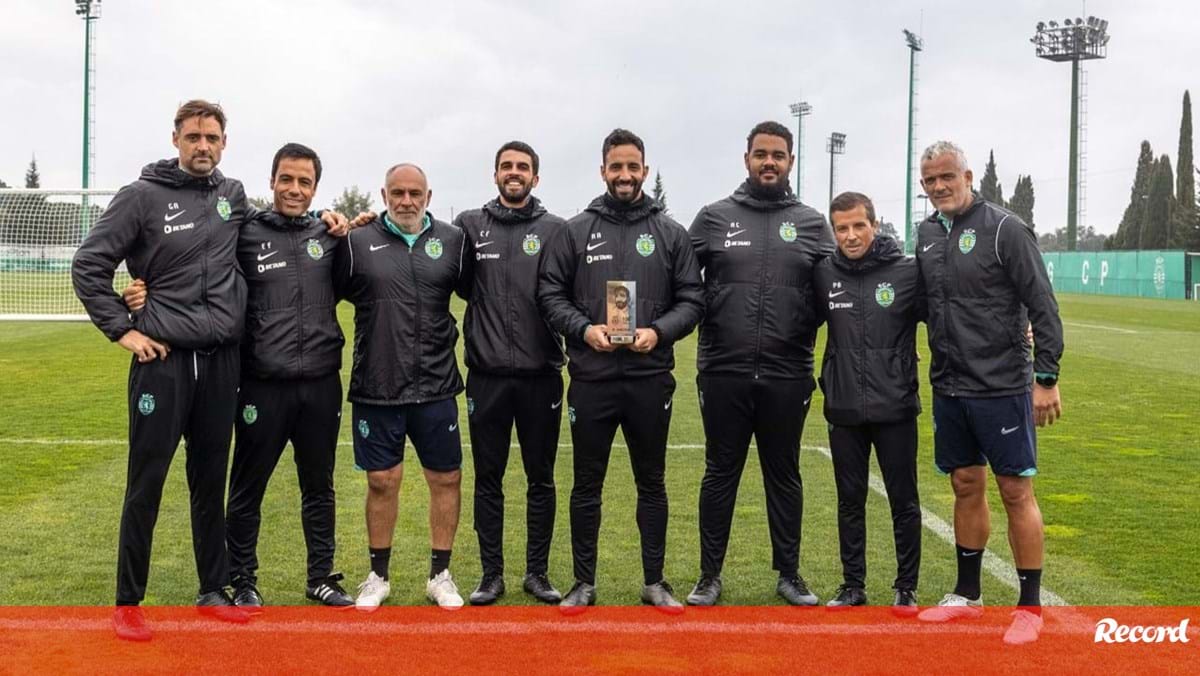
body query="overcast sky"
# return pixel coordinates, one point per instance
(369, 83)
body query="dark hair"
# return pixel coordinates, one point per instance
(521, 147)
(769, 128)
(847, 201)
(199, 108)
(621, 137)
(295, 151)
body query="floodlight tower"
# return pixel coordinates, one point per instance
(915, 44)
(836, 145)
(799, 110)
(89, 11)
(1074, 41)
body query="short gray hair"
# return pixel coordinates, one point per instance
(404, 165)
(940, 148)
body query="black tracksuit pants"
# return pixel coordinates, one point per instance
(192, 395)
(641, 407)
(896, 450)
(534, 404)
(271, 413)
(733, 408)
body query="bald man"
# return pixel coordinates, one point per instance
(399, 272)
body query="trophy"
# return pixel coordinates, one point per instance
(621, 300)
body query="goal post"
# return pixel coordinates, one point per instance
(40, 231)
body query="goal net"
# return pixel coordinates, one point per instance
(39, 233)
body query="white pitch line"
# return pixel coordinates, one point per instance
(1102, 328)
(541, 627)
(998, 567)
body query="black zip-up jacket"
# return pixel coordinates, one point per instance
(872, 305)
(611, 241)
(404, 333)
(986, 282)
(504, 331)
(179, 233)
(291, 319)
(758, 258)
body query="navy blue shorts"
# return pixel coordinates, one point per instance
(379, 433)
(968, 432)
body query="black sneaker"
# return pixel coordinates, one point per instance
(905, 603)
(330, 593)
(490, 588)
(848, 596)
(219, 605)
(706, 592)
(247, 597)
(538, 586)
(795, 591)
(661, 596)
(578, 599)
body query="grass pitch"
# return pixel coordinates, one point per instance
(1117, 485)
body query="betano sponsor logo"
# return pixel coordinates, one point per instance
(1109, 630)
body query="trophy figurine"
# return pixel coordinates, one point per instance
(622, 314)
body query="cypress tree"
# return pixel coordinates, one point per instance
(1159, 205)
(1186, 222)
(1022, 200)
(1129, 231)
(989, 186)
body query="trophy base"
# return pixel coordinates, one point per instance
(621, 340)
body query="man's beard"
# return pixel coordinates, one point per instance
(637, 191)
(521, 196)
(769, 191)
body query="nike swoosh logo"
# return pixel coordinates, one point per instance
(970, 553)
(1009, 430)
(454, 427)
(667, 405)
(597, 245)
(807, 400)
(556, 404)
(835, 295)
(377, 248)
(734, 233)
(927, 247)
(480, 245)
(170, 217)
(263, 257)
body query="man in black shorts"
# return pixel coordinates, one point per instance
(399, 271)
(986, 283)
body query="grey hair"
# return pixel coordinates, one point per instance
(404, 165)
(945, 148)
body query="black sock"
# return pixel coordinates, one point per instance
(970, 562)
(439, 560)
(379, 560)
(1031, 587)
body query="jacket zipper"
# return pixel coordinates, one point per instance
(296, 261)
(762, 280)
(860, 298)
(412, 266)
(509, 319)
(946, 307)
(204, 253)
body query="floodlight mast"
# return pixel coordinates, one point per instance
(836, 145)
(1074, 41)
(89, 11)
(799, 110)
(915, 44)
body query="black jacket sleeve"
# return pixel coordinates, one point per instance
(556, 281)
(109, 242)
(699, 236)
(343, 268)
(1017, 249)
(466, 268)
(688, 309)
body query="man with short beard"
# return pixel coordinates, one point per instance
(758, 248)
(514, 363)
(623, 235)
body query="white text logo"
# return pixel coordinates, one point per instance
(1109, 631)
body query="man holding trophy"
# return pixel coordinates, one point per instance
(621, 284)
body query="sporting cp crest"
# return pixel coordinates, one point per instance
(314, 249)
(223, 208)
(787, 231)
(531, 245)
(885, 295)
(433, 248)
(146, 404)
(470, 407)
(645, 244)
(250, 414)
(363, 428)
(966, 241)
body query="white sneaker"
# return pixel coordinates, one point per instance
(953, 607)
(1025, 628)
(372, 592)
(442, 591)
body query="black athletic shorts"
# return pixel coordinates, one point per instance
(379, 433)
(977, 431)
